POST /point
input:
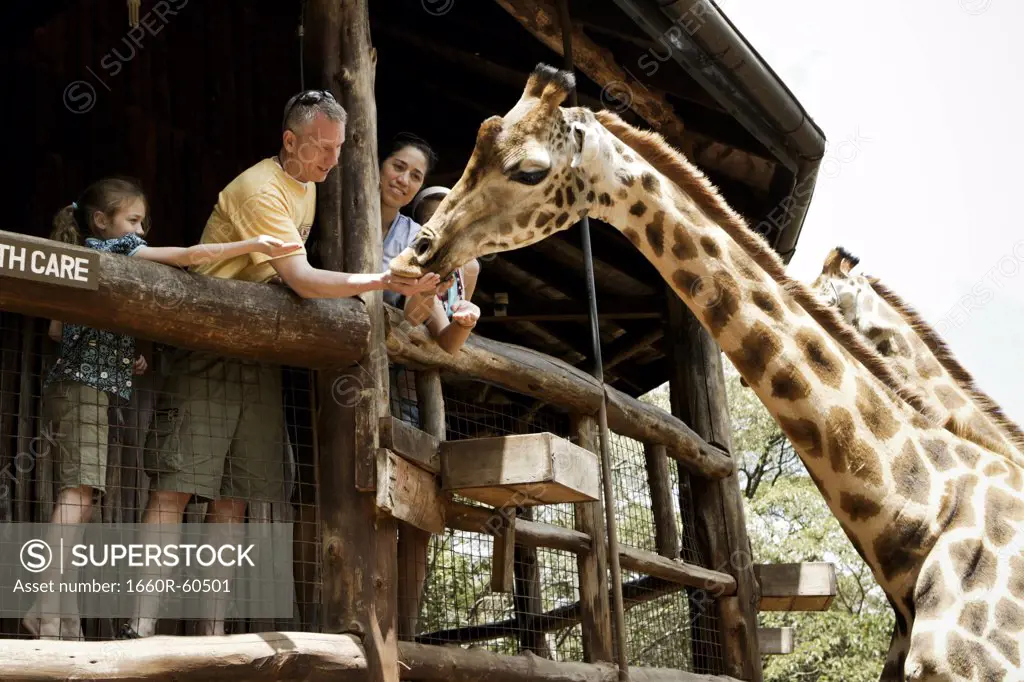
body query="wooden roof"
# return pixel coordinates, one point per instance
(200, 100)
(440, 76)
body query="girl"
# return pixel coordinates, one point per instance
(95, 366)
(454, 301)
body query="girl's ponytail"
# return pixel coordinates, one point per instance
(65, 226)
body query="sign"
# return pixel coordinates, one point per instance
(50, 262)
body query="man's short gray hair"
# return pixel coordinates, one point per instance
(303, 108)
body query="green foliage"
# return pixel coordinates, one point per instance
(789, 522)
(787, 519)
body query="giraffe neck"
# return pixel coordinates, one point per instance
(848, 428)
(915, 348)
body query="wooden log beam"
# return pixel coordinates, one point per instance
(262, 657)
(242, 319)
(644, 422)
(453, 664)
(714, 583)
(528, 533)
(273, 656)
(537, 375)
(540, 18)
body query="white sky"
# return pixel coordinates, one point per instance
(931, 89)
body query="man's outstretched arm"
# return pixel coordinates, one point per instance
(310, 282)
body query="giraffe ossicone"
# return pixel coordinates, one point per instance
(938, 519)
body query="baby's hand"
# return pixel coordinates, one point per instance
(272, 246)
(465, 314)
(140, 365)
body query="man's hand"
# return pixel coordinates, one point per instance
(407, 286)
(274, 247)
(140, 365)
(465, 314)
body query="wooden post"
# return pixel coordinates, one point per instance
(359, 548)
(593, 565)
(666, 531)
(528, 598)
(24, 461)
(8, 373)
(699, 398)
(413, 543)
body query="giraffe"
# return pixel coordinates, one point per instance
(916, 352)
(940, 536)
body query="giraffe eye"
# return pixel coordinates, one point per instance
(530, 177)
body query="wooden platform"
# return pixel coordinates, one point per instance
(522, 470)
(796, 587)
(775, 641)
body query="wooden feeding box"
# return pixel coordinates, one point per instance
(522, 470)
(797, 587)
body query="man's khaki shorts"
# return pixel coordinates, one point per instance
(77, 415)
(217, 431)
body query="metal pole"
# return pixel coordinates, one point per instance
(618, 611)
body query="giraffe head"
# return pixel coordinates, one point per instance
(836, 286)
(853, 296)
(526, 179)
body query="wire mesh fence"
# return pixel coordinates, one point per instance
(511, 607)
(539, 608)
(666, 626)
(91, 433)
(458, 587)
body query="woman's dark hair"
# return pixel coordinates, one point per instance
(106, 196)
(403, 140)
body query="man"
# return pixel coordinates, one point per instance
(219, 422)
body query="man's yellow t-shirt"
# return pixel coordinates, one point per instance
(263, 199)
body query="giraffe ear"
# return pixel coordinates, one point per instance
(586, 145)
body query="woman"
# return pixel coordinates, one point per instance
(449, 315)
